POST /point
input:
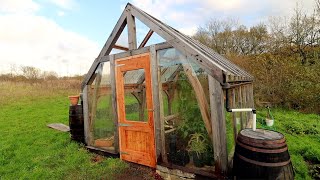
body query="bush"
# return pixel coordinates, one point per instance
(283, 81)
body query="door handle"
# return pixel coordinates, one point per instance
(124, 125)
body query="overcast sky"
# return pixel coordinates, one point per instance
(67, 35)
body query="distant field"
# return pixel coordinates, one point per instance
(30, 150)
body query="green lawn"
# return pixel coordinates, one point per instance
(30, 150)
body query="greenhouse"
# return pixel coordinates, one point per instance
(164, 105)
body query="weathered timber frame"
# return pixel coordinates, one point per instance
(222, 75)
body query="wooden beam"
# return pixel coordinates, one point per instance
(108, 46)
(86, 114)
(120, 47)
(114, 102)
(115, 34)
(218, 126)
(90, 73)
(234, 118)
(180, 43)
(159, 125)
(200, 96)
(146, 39)
(132, 35)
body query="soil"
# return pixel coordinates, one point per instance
(138, 172)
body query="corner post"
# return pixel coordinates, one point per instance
(218, 126)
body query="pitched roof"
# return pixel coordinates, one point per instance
(211, 61)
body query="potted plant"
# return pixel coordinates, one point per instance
(197, 148)
(74, 99)
(269, 119)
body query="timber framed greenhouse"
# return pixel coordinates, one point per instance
(164, 105)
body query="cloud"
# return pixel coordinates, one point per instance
(64, 4)
(18, 6)
(37, 41)
(189, 14)
(60, 13)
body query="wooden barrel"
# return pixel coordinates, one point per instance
(262, 154)
(76, 123)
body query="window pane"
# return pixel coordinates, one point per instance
(185, 90)
(135, 96)
(100, 109)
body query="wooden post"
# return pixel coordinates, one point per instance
(132, 39)
(114, 102)
(218, 126)
(240, 106)
(159, 124)
(234, 118)
(86, 114)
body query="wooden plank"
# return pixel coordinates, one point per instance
(86, 114)
(132, 35)
(146, 39)
(218, 126)
(159, 126)
(134, 52)
(200, 96)
(114, 103)
(120, 47)
(234, 118)
(240, 106)
(59, 127)
(170, 117)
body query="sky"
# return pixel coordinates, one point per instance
(66, 36)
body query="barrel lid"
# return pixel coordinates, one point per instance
(261, 134)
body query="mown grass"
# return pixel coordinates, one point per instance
(30, 150)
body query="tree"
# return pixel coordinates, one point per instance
(31, 73)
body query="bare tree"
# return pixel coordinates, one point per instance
(303, 33)
(31, 73)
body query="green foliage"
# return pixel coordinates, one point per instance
(189, 109)
(197, 143)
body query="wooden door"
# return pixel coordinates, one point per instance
(136, 131)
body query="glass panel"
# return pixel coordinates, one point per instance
(135, 96)
(100, 109)
(184, 83)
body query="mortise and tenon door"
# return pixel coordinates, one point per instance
(135, 110)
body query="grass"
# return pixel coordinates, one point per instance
(30, 150)
(302, 132)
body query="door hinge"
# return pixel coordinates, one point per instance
(124, 125)
(122, 152)
(118, 65)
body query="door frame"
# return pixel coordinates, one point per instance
(141, 61)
